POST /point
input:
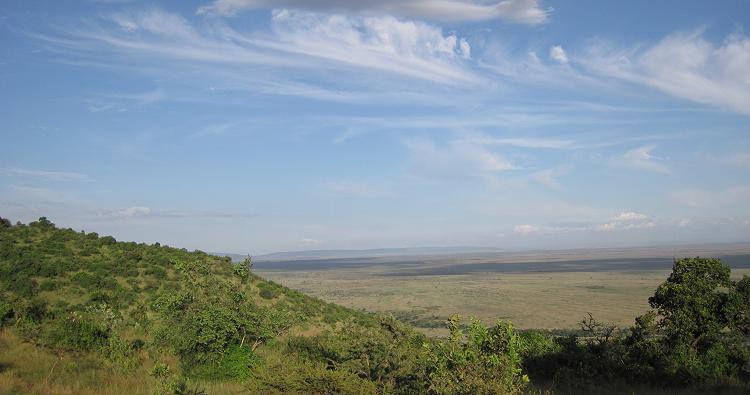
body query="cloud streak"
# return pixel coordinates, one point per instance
(44, 174)
(641, 159)
(142, 212)
(518, 11)
(683, 65)
(460, 158)
(297, 40)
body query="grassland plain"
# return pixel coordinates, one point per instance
(544, 295)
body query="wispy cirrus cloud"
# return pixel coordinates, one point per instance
(297, 40)
(44, 174)
(410, 48)
(519, 11)
(460, 158)
(522, 142)
(683, 65)
(641, 159)
(136, 212)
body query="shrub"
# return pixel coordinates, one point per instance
(6, 310)
(293, 377)
(482, 360)
(266, 293)
(236, 363)
(120, 352)
(76, 332)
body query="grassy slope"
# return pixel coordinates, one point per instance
(75, 271)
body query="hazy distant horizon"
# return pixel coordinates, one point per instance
(736, 248)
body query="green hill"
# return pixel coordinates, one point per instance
(84, 314)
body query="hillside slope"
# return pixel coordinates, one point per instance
(84, 314)
(181, 319)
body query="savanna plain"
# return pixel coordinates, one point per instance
(534, 290)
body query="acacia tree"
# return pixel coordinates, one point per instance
(703, 317)
(690, 301)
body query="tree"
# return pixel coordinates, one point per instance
(704, 315)
(737, 307)
(690, 301)
(242, 270)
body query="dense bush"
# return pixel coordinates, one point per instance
(480, 360)
(74, 332)
(389, 354)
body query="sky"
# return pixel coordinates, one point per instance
(254, 126)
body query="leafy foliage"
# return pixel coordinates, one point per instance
(481, 361)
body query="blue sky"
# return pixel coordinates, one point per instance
(254, 126)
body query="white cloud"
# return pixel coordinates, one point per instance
(49, 175)
(132, 212)
(629, 216)
(147, 212)
(526, 229)
(459, 158)
(524, 142)
(641, 159)
(464, 49)
(558, 53)
(298, 40)
(528, 68)
(683, 65)
(410, 48)
(627, 220)
(520, 11)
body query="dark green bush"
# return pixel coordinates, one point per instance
(75, 332)
(236, 363)
(267, 293)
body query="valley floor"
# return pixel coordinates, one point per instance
(532, 299)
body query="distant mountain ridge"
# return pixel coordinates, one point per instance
(366, 253)
(493, 253)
